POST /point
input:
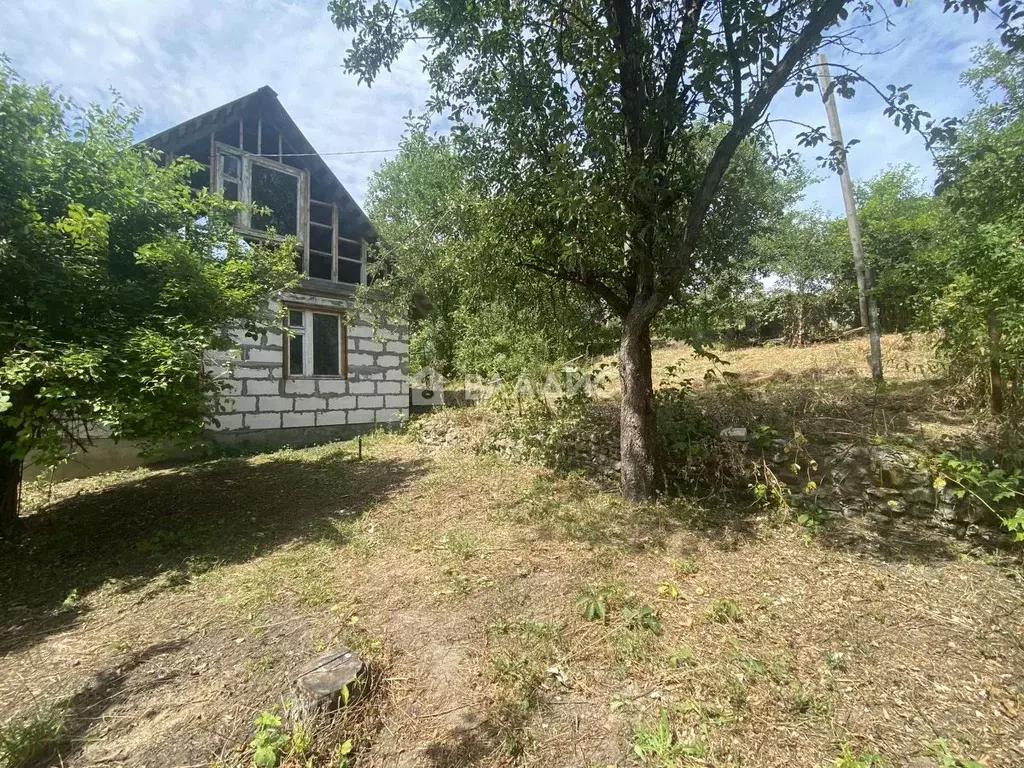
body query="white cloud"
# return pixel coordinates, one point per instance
(179, 58)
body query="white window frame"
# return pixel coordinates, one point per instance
(248, 160)
(306, 331)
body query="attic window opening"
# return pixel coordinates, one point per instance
(265, 183)
(333, 255)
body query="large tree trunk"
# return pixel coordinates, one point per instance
(995, 343)
(636, 414)
(10, 494)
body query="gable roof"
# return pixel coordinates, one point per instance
(264, 103)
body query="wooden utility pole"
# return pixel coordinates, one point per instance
(868, 305)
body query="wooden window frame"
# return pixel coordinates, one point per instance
(308, 310)
(248, 160)
(335, 228)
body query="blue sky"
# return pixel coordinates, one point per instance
(178, 58)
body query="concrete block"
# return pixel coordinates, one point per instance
(333, 386)
(360, 359)
(398, 347)
(361, 387)
(360, 331)
(388, 361)
(330, 417)
(263, 420)
(228, 421)
(341, 403)
(388, 415)
(305, 419)
(389, 388)
(276, 403)
(396, 401)
(231, 386)
(257, 387)
(262, 355)
(243, 404)
(369, 345)
(300, 386)
(310, 403)
(396, 374)
(360, 417)
(371, 401)
(243, 371)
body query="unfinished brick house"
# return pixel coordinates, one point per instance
(334, 374)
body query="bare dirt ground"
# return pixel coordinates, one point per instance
(149, 616)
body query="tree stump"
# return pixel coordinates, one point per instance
(329, 681)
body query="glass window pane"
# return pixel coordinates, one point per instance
(325, 345)
(295, 318)
(295, 354)
(232, 166)
(201, 179)
(319, 266)
(322, 213)
(320, 238)
(279, 192)
(230, 190)
(350, 249)
(349, 271)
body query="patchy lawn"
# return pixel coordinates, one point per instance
(150, 616)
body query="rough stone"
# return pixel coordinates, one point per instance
(736, 434)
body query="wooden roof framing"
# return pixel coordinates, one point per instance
(264, 103)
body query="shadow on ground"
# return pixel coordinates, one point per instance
(58, 733)
(175, 524)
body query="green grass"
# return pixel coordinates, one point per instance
(658, 743)
(33, 740)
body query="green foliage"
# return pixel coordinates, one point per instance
(850, 758)
(643, 617)
(724, 611)
(617, 153)
(939, 749)
(902, 227)
(595, 599)
(685, 566)
(475, 313)
(998, 490)
(273, 744)
(978, 310)
(33, 740)
(561, 432)
(660, 745)
(117, 279)
(270, 741)
(690, 450)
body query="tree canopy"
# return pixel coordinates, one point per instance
(117, 279)
(609, 129)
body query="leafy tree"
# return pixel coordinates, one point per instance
(476, 310)
(116, 281)
(810, 270)
(601, 126)
(980, 309)
(902, 226)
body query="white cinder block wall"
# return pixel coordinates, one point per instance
(263, 406)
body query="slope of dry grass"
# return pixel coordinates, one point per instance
(155, 613)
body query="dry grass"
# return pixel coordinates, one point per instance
(160, 611)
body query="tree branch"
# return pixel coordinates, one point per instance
(803, 45)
